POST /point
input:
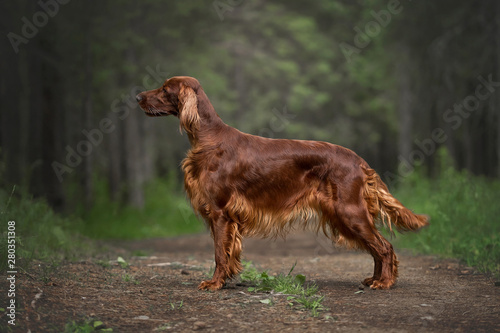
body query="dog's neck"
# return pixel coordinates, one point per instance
(210, 122)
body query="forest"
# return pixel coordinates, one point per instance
(395, 81)
(91, 189)
(410, 86)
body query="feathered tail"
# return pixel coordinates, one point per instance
(387, 209)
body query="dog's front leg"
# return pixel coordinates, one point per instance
(227, 244)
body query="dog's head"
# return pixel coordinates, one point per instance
(177, 96)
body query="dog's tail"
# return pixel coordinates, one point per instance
(387, 209)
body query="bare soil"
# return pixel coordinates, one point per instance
(158, 292)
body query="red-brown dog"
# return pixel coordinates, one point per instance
(245, 185)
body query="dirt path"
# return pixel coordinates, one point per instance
(158, 293)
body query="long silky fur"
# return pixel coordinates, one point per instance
(233, 252)
(386, 209)
(188, 116)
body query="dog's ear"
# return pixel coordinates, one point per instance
(188, 110)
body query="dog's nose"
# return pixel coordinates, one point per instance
(138, 97)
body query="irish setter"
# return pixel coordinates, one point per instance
(246, 185)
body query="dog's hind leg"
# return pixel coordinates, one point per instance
(357, 225)
(386, 263)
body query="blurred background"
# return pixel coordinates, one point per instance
(411, 86)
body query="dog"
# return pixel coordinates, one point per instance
(246, 185)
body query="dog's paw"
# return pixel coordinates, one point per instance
(211, 285)
(381, 284)
(368, 281)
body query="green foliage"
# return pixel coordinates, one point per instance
(250, 273)
(166, 213)
(464, 213)
(288, 284)
(123, 264)
(40, 233)
(312, 304)
(176, 305)
(86, 326)
(126, 277)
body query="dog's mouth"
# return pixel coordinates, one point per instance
(151, 111)
(153, 114)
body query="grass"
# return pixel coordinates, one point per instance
(176, 305)
(86, 326)
(166, 213)
(312, 304)
(39, 232)
(464, 211)
(42, 234)
(299, 293)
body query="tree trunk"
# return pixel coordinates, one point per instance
(87, 120)
(45, 183)
(496, 97)
(468, 142)
(133, 142)
(115, 174)
(10, 122)
(405, 142)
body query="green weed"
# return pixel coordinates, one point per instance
(311, 303)
(123, 264)
(86, 326)
(303, 294)
(164, 327)
(176, 305)
(103, 263)
(285, 284)
(126, 277)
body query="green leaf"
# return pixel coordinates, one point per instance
(299, 278)
(98, 323)
(266, 301)
(293, 267)
(122, 262)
